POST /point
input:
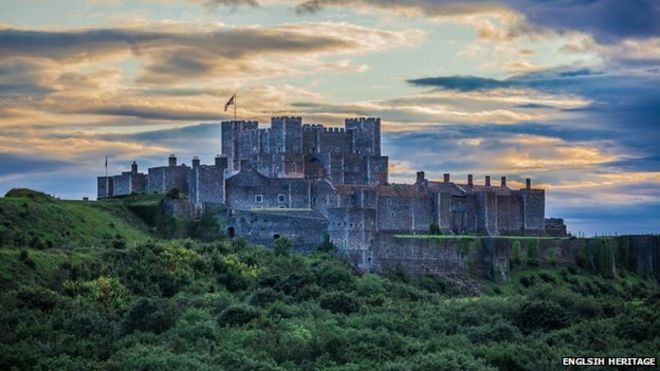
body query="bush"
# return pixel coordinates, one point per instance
(282, 246)
(24, 257)
(533, 257)
(515, 254)
(339, 302)
(265, 296)
(444, 360)
(326, 245)
(238, 315)
(540, 315)
(37, 298)
(147, 314)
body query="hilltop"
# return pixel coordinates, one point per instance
(34, 219)
(89, 302)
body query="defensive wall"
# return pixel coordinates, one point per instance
(495, 257)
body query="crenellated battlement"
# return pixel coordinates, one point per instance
(334, 130)
(339, 173)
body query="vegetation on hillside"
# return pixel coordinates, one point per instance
(33, 219)
(224, 304)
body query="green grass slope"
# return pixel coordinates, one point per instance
(33, 219)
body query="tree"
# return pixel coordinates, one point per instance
(282, 246)
(238, 315)
(339, 302)
(326, 245)
(155, 315)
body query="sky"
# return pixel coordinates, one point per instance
(565, 92)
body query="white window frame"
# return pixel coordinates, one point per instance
(259, 198)
(281, 198)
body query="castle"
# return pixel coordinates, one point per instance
(302, 180)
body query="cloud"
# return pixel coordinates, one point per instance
(176, 53)
(11, 164)
(608, 21)
(463, 83)
(446, 107)
(554, 79)
(229, 3)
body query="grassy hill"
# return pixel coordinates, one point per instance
(147, 304)
(33, 219)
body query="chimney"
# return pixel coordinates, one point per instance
(172, 160)
(134, 168)
(503, 181)
(195, 162)
(470, 180)
(487, 180)
(420, 176)
(528, 183)
(446, 177)
(221, 161)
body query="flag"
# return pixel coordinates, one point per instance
(230, 102)
(106, 161)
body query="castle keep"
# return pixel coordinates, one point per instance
(301, 180)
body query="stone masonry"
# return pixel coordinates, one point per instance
(315, 179)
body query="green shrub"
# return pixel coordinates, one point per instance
(34, 297)
(533, 258)
(516, 254)
(326, 245)
(238, 315)
(24, 257)
(150, 314)
(282, 247)
(540, 315)
(265, 296)
(339, 302)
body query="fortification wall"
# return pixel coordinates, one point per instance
(533, 210)
(495, 257)
(303, 229)
(104, 187)
(207, 185)
(509, 215)
(165, 178)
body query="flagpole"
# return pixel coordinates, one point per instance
(235, 104)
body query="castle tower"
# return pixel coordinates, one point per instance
(231, 133)
(366, 135)
(286, 134)
(533, 209)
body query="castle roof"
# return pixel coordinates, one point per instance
(442, 187)
(500, 191)
(401, 191)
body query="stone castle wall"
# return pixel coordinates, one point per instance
(303, 228)
(495, 257)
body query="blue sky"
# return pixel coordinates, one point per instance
(566, 92)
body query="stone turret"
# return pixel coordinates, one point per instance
(221, 161)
